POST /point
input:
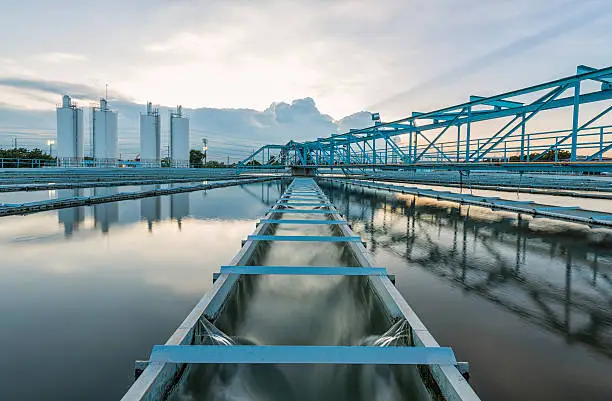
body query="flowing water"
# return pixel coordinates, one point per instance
(86, 291)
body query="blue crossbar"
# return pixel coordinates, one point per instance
(299, 354)
(289, 221)
(303, 211)
(303, 238)
(306, 270)
(601, 217)
(303, 204)
(554, 208)
(304, 197)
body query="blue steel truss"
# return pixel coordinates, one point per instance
(444, 137)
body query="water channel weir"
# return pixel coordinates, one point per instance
(52, 204)
(210, 347)
(566, 213)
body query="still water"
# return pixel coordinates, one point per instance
(86, 291)
(527, 303)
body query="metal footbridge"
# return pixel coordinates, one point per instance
(484, 133)
(303, 203)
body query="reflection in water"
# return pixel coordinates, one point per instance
(151, 208)
(107, 298)
(156, 209)
(179, 207)
(550, 275)
(71, 218)
(486, 253)
(106, 214)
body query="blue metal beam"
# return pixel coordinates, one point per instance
(295, 354)
(305, 270)
(496, 103)
(314, 222)
(303, 238)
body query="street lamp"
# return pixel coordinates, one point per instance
(204, 148)
(50, 142)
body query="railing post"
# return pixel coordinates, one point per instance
(522, 156)
(458, 140)
(410, 141)
(348, 148)
(528, 147)
(374, 150)
(601, 141)
(575, 121)
(505, 151)
(556, 149)
(467, 134)
(386, 150)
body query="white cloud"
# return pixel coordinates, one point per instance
(346, 54)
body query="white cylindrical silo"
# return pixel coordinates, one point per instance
(179, 139)
(150, 138)
(105, 145)
(69, 134)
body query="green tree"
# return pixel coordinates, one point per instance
(196, 158)
(546, 157)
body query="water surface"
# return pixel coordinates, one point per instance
(84, 292)
(527, 303)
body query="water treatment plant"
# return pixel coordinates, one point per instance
(414, 259)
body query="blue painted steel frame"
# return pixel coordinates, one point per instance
(358, 148)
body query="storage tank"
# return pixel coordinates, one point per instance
(69, 134)
(105, 147)
(179, 139)
(150, 138)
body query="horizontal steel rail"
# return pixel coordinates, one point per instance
(303, 238)
(295, 354)
(305, 270)
(292, 221)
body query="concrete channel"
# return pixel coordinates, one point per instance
(199, 341)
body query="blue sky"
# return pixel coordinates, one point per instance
(391, 56)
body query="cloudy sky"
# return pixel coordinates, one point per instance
(391, 56)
